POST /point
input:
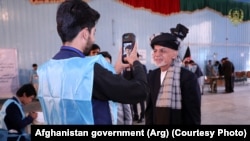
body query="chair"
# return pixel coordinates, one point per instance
(248, 74)
(241, 76)
(243, 73)
(237, 74)
(5, 135)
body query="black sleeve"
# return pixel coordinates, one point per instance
(150, 103)
(109, 86)
(198, 71)
(127, 74)
(191, 98)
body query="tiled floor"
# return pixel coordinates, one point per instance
(221, 108)
(217, 108)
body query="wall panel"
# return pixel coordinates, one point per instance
(32, 30)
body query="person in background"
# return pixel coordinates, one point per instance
(13, 117)
(228, 69)
(218, 65)
(195, 68)
(136, 116)
(139, 118)
(95, 49)
(210, 72)
(70, 80)
(175, 96)
(34, 76)
(106, 55)
(186, 65)
(124, 115)
(216, 68)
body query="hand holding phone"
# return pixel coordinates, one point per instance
(128, 42)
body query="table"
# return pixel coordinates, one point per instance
(214, 82)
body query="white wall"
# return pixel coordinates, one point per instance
(32, 30)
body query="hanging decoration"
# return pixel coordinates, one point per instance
(49, 1)
(162, 7)
(45, 1)
(236, 10)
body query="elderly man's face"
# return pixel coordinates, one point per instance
(163, 56)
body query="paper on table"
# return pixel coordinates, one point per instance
(39, 119)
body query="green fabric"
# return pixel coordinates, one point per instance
(222, 6)
(192, 5)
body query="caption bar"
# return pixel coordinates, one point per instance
(55, 132)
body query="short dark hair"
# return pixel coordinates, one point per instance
(95, 46)
(106, 54)
(28, 89)
(34, 65)
(72, 16)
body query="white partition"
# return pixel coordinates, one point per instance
(9, 82)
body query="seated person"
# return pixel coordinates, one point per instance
(13, 115)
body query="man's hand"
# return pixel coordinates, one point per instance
(33, 114)
(133, 56)
(119, 66)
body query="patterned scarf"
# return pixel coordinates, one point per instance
(170, 91)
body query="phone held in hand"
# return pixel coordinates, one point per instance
(128, 42)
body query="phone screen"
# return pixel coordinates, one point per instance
(128, 42)
(126, 50)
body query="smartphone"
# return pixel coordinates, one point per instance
(128, 42)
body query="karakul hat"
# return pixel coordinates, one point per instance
(165, 39)
(180, 31)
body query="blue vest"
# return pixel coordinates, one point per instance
(65, 90)
(3, 112)
(3, 125)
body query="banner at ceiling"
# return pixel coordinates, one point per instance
(164, 7)
(49, 1)
(237, 9)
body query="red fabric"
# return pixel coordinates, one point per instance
(164, 7)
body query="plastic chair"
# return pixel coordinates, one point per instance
(6, 136)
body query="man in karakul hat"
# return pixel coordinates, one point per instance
(175, 96)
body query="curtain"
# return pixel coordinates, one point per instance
(166, 7)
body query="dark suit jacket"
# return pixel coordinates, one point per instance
(228, 68)
(191, 99)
